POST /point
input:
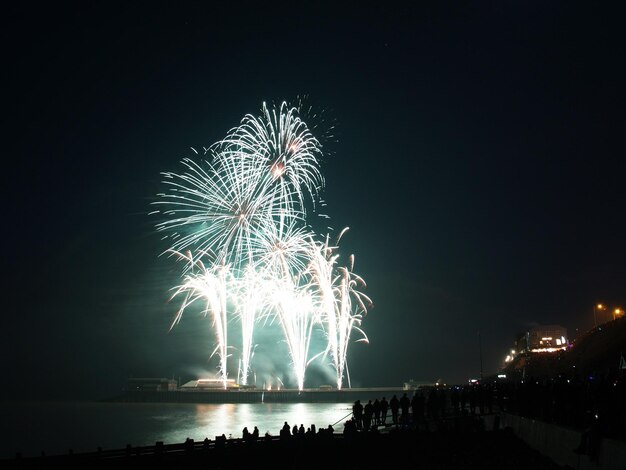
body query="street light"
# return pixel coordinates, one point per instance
(595, 309)
(617, 312)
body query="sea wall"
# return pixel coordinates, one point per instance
(559, 444)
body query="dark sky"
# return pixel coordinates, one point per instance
(478, 160)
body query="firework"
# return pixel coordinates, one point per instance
(243, 211)
(276, 153)
(209, 284)
(342, 305)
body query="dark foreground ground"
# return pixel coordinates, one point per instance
(397, 448)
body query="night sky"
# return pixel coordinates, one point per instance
(477, 155)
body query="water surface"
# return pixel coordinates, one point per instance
(57, 427)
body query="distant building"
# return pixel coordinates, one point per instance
(151, 384)
(540, 339)
(547, 338)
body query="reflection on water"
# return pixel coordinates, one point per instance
(212, 420)
(54, 428)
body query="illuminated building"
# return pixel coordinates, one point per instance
(543, 338)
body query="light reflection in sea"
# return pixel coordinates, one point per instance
(54, 428)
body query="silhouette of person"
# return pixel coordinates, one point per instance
(357, 412)
(473, 400)
(349, 428)
(384, 406)
(376, 412)
(188, 444)
(464, 400)
(441, 401)
(255, 433)
(455, 400)
(405, 403)
(394, 404)
(415, 409)
(285, 432)
(368, 412)
(489, 398)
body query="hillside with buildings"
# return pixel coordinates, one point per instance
(599, 352)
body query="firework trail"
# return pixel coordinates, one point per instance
(293, 308)
(248, 305)
(247, 205)
(210, 285)
(342, 304)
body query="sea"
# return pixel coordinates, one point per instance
(57, 428)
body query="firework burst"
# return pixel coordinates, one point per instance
(242, 210)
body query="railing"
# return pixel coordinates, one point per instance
(160, 449)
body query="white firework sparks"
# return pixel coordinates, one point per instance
(211, 286)
(248, 208)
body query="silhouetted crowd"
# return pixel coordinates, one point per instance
(423, 406)
(596, 402)
(299, 432)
